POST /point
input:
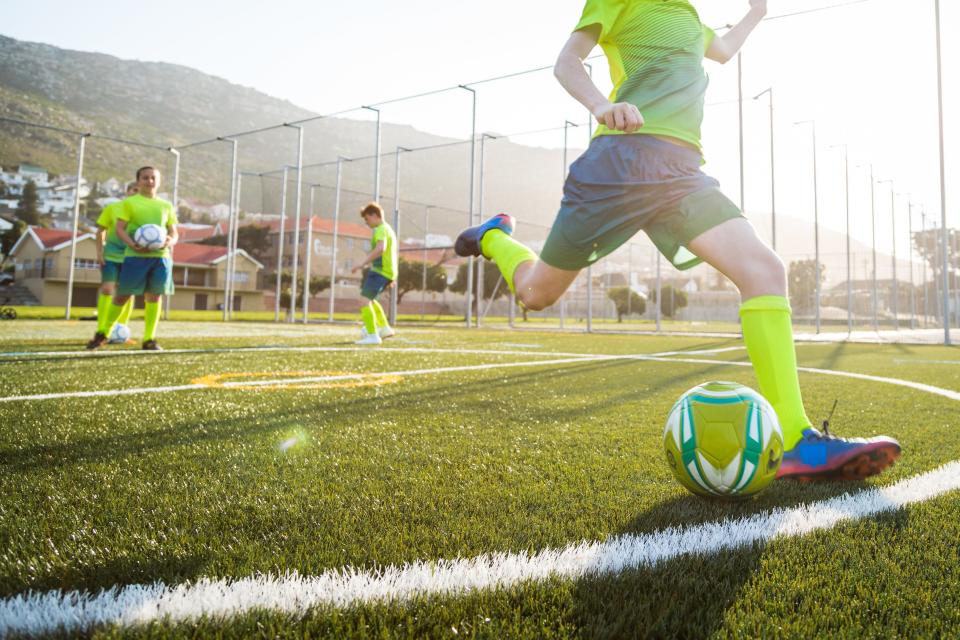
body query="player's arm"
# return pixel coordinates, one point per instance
(101, 238)
(375, 253)
(725, 47)
(573, 77)
(127, 240)
(173, 236)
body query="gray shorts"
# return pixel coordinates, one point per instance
(623, 184)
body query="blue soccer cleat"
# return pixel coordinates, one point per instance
(468, 242)
(821, 456)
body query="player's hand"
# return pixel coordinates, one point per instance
(619, 116)
(101, 261)
(356, 268)
(140, 249)
(759, 5)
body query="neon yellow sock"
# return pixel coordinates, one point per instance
(127, 312)
(506, 252)
(769, 338)
(378, 314)
(151, 318)
(103, 309)
(366, 314)
(113, 312)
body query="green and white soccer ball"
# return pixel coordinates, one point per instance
(723, 439)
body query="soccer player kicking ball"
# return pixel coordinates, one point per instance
(383, 271)
(144, 272)
(642, 172)
(110, 249)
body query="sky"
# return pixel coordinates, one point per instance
(864, 72)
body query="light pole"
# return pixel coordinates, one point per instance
(923, 234)
(873, 240)
(295, 264)
(816, 223)
(773, 186)
(426, 226)
(481, 282)
(376, 157)
(846, 182)
(566, 127)
(913, 299)
(943, 183)
(893, 226)
(336, 233)
(283, 226)
(470, 213)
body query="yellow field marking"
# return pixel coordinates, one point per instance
(226, 380)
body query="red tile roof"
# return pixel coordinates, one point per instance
(200, 254)
(194, 234)
(324, 225)
(52, 237)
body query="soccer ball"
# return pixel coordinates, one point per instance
(150, 236)
(723, 439)
(120, 334)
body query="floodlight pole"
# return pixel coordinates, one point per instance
(773, 181)
(376, 157)
(816, 224)
(336, 234)
(893, 226)
(230, 222)
(943, 183)
(659, 301)
(566, 127)
(846, 182)
(589, 267)
(913, 298)
(308, 262)
(426, 226)
(233, 232)
(923, 234)
(473, 160)
(295, 266)
(81, 147)
(396, 228)
(873, 241)
(481, 282)
(282, 229)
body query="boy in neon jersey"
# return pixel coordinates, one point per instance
(642, 172)
(110, 250)
(145, 272)
(383, 259)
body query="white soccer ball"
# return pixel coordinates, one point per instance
(150, 236)
(120, 334)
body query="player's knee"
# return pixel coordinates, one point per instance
(535, 300)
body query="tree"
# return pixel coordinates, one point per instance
(802, 283)
(184, 213)
(9, 237)
(91, 208)
(317, 284)
(410, 277)
(27, 208)
(491, 277)
(673, 300)
(252, 238)
(627, 301)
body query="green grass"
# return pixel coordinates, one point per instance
(97, 492)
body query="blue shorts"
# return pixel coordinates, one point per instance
(373, 285)
(623, 184)
(110, 271)
(146, 275)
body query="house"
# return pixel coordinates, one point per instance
(353, 243)
(41, 261)
(197, 232)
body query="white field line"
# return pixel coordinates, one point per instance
(305, 380)
(74, 612)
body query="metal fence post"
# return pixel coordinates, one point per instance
(76, 221)
(295, 265)
(282, 230)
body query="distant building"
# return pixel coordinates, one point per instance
(41, 260)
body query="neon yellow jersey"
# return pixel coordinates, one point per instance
(114, 247)
(655, 49)
(138, 210)
(386, 265)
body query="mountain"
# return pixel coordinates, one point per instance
(170, 104)
(167, 104)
